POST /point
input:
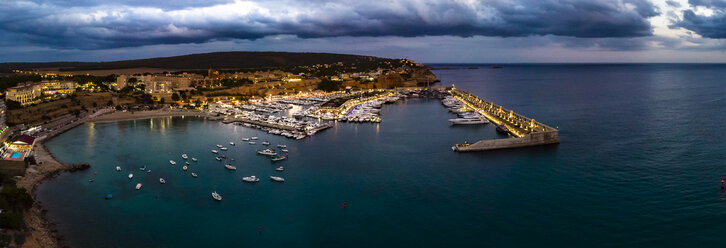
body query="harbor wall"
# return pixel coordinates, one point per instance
(532, 139)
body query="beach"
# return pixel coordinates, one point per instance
(42, 232)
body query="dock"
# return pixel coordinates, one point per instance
(524, 131)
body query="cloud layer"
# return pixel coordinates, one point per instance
(712, 25)
(95, 24)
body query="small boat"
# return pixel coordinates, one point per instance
(172, 162)
(216, 196)
(148, 171)
(214, 151)
(502, 129)
(277, 179)
(278, 158)
(223, 148)
(282, 146)
(138, 186)
(267, 152)
(245, 139)
(284, 150)
(251, 179)
(162, 181)
(280, 168)
(184, 156)
(142, 168)
(109, 196)
(252, 142)
(230, 167)
(231, 143)
(266, 143)
(218, 158)
(219, 146)
(131, 175)
(186, 162)
(194, 159)
(194, 174)
(253, 138)
(118, 168)
(185, 168)
(91, 180)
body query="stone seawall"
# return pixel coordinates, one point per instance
(532, 139)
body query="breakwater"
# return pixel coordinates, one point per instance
(525, 131)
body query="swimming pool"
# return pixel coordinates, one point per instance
(16, 155)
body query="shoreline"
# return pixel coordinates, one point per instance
(42, 231)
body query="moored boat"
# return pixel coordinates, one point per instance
(216, 196)
(267, 152)
(185, 168)
(277, 179)
(469, 121)
(194, 174)
(223, 148)
(172, 162)
(265, 143)
(280, 168)
(184, 156)
(215, 151)
(142, 168)
(253, 138)
(118, 168)
(251, 179)
(278, 158)
(230, 167)
(138, 186)
(252, 142)
(194, 159)
(162, 181)
(282, 146)
(231, 143)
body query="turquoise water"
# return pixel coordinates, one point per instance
(16, 155)
(639, 165)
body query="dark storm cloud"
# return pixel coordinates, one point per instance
(96, 24)
(711, 26)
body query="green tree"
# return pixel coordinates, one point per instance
(329, 85)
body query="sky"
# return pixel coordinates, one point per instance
(429, 31)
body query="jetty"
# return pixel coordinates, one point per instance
(524, 131)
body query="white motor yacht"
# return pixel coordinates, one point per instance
(230, 167)
(118, 168)
(253, 138)
(185, 168)
(251, 179)
(277, 179)
(194, 174)
(266, 143)
(138, 186)
(267, 152)
(215, 151)
(172, 162)
(280, 168)
(162, 181)
(469, 121)
(194, 159)
(184, 156)
(131, 175)
(231, 143)
(223, 148)
(245, 139)
(216, 196)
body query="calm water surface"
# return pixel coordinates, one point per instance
(640, 163)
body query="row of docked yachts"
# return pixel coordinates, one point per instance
(467, 116)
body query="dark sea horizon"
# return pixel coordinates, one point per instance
(639, 165)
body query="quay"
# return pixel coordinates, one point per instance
(525, 131)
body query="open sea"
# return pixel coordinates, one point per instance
(641, 157)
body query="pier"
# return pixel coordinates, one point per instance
(525, 131)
